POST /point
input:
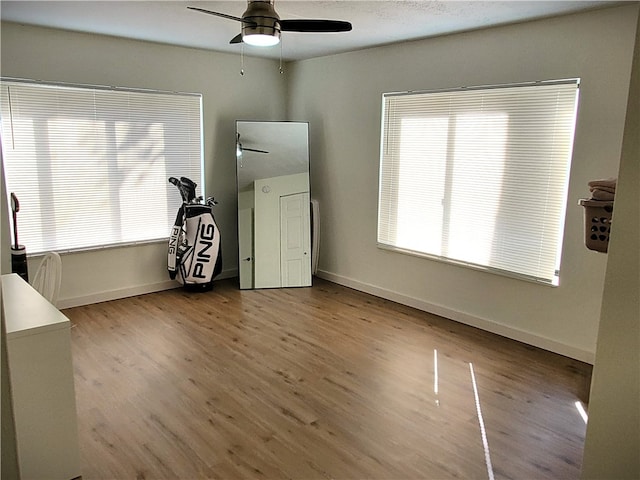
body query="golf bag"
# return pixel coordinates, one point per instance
(195, 254)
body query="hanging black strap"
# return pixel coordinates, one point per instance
(173, 257)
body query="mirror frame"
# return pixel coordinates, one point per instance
(274, 209)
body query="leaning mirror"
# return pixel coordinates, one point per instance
(274, 231)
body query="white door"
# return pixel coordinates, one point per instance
(245, 247)
(295, 240)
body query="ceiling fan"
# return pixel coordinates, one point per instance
(261, 25)
(240, 149)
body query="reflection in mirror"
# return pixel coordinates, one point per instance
(274, 231)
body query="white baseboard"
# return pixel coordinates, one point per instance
(465, 318)
(130, 291)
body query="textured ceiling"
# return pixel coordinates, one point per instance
(374, 22)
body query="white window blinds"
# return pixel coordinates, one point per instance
(479, 176)
(90, 165)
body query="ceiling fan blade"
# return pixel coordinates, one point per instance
(253, 150)
(217, 14)
(237, 39)
(314, 26)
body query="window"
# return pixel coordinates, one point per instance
(90, 165)
(478, 176)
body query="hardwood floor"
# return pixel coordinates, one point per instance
(313, 383)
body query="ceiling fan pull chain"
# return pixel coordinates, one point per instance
(242, 59)
(281, 70)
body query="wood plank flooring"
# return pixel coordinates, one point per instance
(314, 383)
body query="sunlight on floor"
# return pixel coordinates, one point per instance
(582, 411)
(483, 432)
(435, 376)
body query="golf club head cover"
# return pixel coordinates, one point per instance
(183, 192)
(189, 187)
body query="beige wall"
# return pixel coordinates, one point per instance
(340, 97)
(5, 233)
(54, 55)
(612, 445)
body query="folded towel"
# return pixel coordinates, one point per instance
(598, 194)
(608, 183)
(602, 189)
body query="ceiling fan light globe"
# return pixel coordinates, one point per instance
(261, 39)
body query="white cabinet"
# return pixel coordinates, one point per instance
(41, 373)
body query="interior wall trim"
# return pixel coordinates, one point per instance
(131, 291)
(461, 317)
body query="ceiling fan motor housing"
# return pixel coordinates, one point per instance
(260, 18)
